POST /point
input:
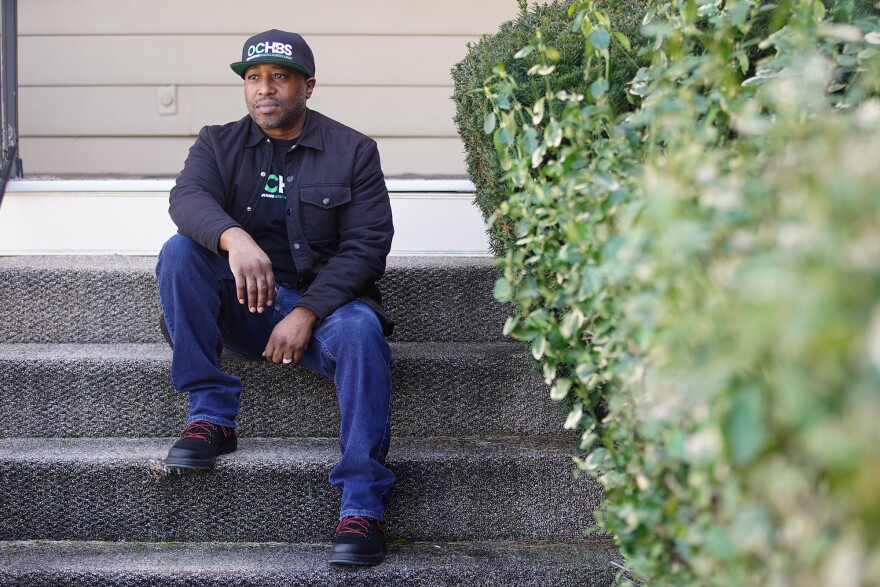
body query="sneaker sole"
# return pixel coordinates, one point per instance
(190, 463)
(184, 463)
(361, 560)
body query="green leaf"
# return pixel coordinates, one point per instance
(598, 88)
(529, 139)
(574, 418)
(538, 156)
(538, 110)
(560, 389)
(571, 323)
(504, 136)
(590, 281)
(528, 290)
(541, 69)
(743, 427)
(549, 373)
(510, 324)
(539, 347)
(503, 292)
(584, 371)
(489, 122)
(524, 52)
(553, 136)
(623, 40)
(600, 39)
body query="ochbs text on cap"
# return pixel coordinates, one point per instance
(269, 49)
(279, 47)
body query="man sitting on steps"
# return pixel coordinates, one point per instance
(284, 224)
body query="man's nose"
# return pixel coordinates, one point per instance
(266, 87)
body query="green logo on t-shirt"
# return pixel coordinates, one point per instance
(274, 187)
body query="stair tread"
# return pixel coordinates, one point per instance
(160, 351)
(582, 562)
(439, 389)
(277, 490)
(115, 298)
(148, 262)
(283, 451)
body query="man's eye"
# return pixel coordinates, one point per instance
(280, 76)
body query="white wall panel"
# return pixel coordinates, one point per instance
(241, 17)
(399, 112)
(90, 72)
(164, 156)
(404, 60)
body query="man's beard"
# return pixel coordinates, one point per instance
(290, 112)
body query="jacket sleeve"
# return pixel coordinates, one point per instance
(365, 230)
(196, 201)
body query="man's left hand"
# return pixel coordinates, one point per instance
(291, 336)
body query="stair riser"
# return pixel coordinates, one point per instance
(467, 394)
(443, 577)
(449, 499)
(580, 564)
(64, 300)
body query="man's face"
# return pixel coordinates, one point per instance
(276, 98)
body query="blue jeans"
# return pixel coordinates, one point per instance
(203, 316)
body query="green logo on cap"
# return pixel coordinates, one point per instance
(284, 50)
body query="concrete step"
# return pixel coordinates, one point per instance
(124, 390)
(276, 490)
(102, 299)
(487, 564)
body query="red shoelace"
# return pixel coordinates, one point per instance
(202, 430)
(359, 525)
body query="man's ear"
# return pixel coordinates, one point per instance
(310, 86)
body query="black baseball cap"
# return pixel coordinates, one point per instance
(275, 46)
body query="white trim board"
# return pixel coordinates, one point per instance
(130, 217)
(426, 186)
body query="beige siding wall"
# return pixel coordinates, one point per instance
(92, 73)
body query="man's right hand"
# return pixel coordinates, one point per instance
(254, 280)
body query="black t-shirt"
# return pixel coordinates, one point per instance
(268, 225)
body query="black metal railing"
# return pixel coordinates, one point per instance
(9, 93)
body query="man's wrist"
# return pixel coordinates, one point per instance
(232, 237)
(305, 313)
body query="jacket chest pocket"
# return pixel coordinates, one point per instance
(320, 208)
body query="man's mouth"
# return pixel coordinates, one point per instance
(266, 106)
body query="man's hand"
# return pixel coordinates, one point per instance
(290, 338)
(254, 280)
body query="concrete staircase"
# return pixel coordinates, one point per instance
(485, 492)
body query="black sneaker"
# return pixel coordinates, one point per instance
(359, 541)
(201, 444)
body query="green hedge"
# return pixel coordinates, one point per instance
(700, 280)
(568, 60)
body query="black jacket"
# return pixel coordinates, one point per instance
(339, 222)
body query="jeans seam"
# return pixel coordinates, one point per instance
(375, 514)
(324, 350)
(209, 418)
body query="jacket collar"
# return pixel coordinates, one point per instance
(311, 135)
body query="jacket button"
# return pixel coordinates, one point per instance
(295, 246)
(248, 208)
(325, 201)
(262, 174)
(288, 211)
(289, 178)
